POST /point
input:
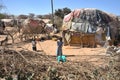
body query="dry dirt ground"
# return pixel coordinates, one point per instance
(18, 60)
(73, 53)
(94, 55)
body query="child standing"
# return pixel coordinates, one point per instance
(60, 56)
(34, 45)
(59, 47)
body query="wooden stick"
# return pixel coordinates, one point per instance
(22, 56)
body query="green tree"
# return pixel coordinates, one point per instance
(66, 11)
(59, 15)
(62, 12)
(58, 21)
(2, 16)
(22, 16)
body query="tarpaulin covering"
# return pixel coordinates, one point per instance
(33, 26)
(88, 20)
(87, 17)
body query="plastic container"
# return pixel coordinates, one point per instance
(61, 58)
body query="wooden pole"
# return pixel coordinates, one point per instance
(52, 12)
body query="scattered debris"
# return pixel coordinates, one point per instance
(28, 65)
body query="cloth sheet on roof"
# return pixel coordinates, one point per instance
(66, 25)
(68, 17)
(98, 35)
(71, 15)
(76, 13)
(34, 23)
(82, 27)
(108, 34)
(92, 15)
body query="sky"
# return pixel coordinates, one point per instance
(42, 7)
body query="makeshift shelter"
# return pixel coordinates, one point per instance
(81, 25)
(34, 27)
(31, 26)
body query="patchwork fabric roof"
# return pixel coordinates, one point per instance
(89, 14)
(87, 19)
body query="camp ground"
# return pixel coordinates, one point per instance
(91, 47)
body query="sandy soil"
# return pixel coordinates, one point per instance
(94, 55)
(81, 62)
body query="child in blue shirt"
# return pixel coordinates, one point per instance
(59, 47)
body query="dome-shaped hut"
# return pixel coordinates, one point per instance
(82, 25)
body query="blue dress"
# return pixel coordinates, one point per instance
(59, 48)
